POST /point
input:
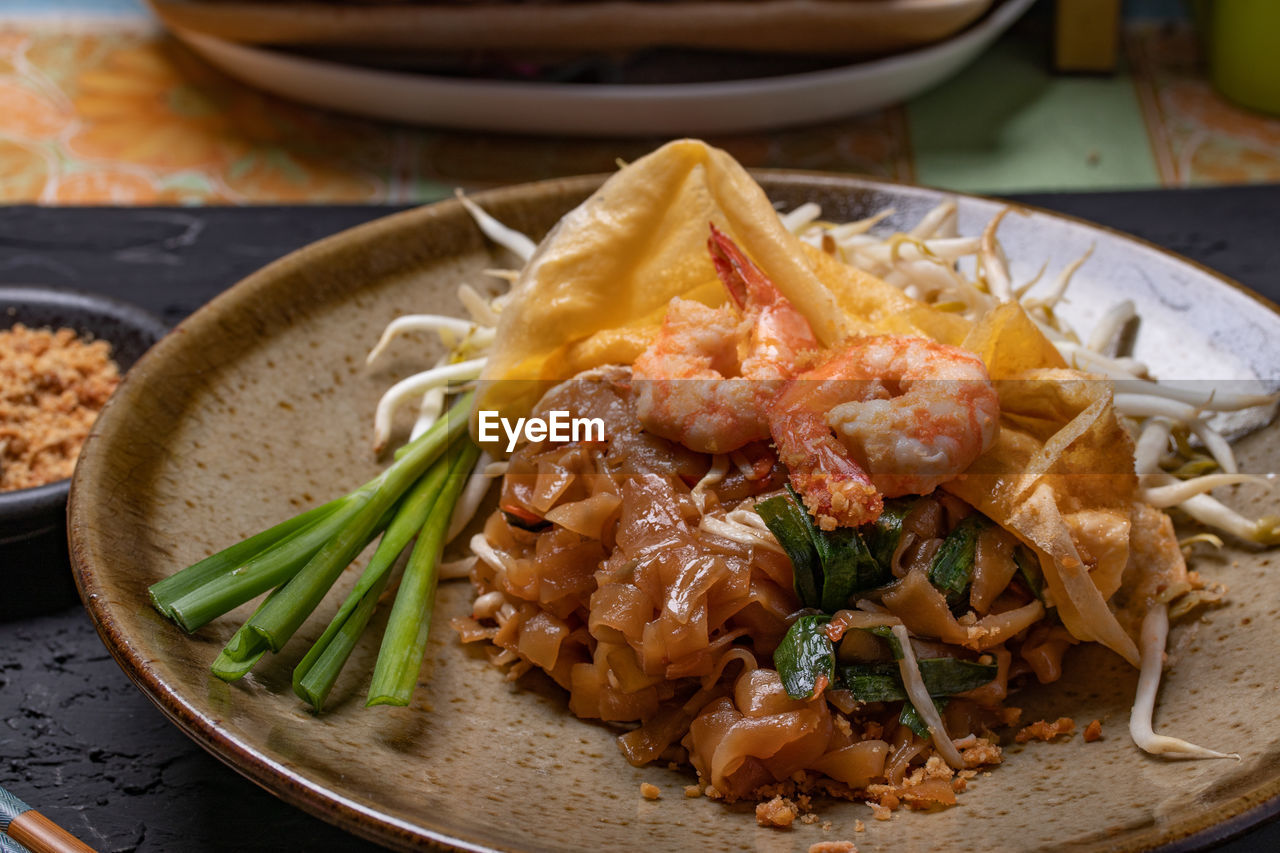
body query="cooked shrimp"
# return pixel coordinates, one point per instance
(882, 417)
(708, 379)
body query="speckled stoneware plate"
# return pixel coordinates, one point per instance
(260, 404)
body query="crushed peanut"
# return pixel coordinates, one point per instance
(1041, 730)
(52, 386)
(776, 812)
(833, 847)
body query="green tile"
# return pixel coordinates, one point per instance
(1006, 124)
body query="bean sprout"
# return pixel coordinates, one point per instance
(419, 383)
(923, 261)
(1155, 630)
(472, 496)
(519, 245)
(923, 702)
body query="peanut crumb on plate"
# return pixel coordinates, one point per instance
(776, 812)
(1041, 730)
(833, 847)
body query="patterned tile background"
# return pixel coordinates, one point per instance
(98, 106)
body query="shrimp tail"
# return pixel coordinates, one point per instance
(835, 488)
(747, 284)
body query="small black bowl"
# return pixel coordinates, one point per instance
(35, 570)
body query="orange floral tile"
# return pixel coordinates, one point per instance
(29, 114)
(132, 117)
(23, 171)
(111, 186)
(1198, 137)
(281, 176)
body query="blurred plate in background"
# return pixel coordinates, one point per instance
(754, 103)
(847, 26)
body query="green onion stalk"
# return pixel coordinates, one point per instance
(298, 561)
(405, 641)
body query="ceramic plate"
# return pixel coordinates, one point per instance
(733, 106)
(259, 405)
(849, 26)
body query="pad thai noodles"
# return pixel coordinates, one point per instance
(853, 490)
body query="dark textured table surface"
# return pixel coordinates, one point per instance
(80, 743)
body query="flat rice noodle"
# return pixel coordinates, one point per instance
(843, 620)
(706, 732)
(591, 697)
(738, 753)
(993, 568)
(574, 650)
(775, 566)
(906, 747)
(705, 661)
(963, 717)
(521, 578)
(759, 693)
(991, 694)
(625, 667)
(1043, 650)
(783, 742)
(688, 594)
(732, 590)
(603, 484)
(597, 288)
(650, 740)
(587, 517)
(856, 765)
(502, 537)
(509, 632)
(800, 753)
(619, 611)
(684, 638)
(666, 640)
(760, 698)
(721, 609)
(999, 627)
(766, 627)
(923, 609)
(651, 515)
(767, 613)
(540, 639)
(584, 690)
(554, 479)
(566, 563)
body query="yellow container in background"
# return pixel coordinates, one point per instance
(1242, 41)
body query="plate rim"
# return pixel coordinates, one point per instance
(1257, 807)
(583, 100)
